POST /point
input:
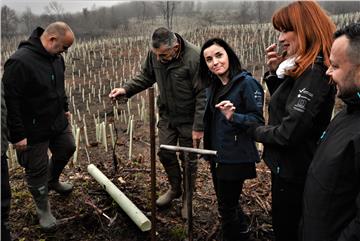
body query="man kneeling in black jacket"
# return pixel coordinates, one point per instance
(331, 208)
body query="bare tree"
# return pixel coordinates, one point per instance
(8, 21)
(54, 8)
(85, 13)
(28, 19)
(187, 8)
(208, 17)
(144, 12)
(244, 15)
(167, 9)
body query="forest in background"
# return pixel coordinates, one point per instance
(121, 18)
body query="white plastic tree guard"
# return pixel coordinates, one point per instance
(124, 202)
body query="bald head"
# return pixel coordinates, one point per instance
(57, 38)
(58, 28)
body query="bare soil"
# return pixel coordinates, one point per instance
(80, 221)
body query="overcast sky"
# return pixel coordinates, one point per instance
(37, 6)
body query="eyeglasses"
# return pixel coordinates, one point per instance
(165, 55)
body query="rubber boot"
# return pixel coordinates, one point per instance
(236, 227)
(193, 170)
(55, 169)
(244, 227)
(174, 177)
(46, 220)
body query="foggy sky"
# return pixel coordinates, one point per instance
(37, 6)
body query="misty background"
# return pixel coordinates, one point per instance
(126, 18)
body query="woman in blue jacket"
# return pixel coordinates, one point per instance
(228, 84)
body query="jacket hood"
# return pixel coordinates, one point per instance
(352, 102)
(35, 44)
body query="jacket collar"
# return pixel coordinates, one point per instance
(182, 45)
(352, 102)
(229, 86)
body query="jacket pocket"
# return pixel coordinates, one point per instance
(23, 157)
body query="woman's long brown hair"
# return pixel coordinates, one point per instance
(314, 30)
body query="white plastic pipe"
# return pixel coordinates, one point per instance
(129, 208)
(77, 143)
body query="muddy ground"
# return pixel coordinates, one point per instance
(80, 221)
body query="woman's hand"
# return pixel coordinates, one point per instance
(227, 108)
(273, 59)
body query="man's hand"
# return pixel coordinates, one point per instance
(196, 137)
(227, 108)
(116, 93)
(21, 145)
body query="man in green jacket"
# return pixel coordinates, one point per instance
(173, 64)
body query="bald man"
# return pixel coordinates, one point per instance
(38, 113)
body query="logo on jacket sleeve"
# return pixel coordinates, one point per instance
(259, 98)
(303, 97)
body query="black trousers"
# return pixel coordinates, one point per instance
(233, 220)
(5, 199)
(35, 158)
(287, 199)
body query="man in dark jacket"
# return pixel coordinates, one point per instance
(38, 113)
(5, 185)
(331, 208)
(173, 64)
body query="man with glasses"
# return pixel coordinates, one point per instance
(331, 209)
(173, 64)
(38, 113)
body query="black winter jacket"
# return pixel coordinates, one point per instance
(299, 111)
(34, 92)
(4, 129)
(332, 189)
(229, 138)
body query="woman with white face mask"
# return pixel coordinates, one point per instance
(300, 107)
(231, 91)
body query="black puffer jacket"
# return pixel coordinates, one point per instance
(299, 111)
(34, 92)
(332, 190)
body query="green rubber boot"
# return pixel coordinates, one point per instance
(46, 220)
(55, 169)
(174, 177)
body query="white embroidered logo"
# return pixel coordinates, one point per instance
(304, 97)
(258, 97)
